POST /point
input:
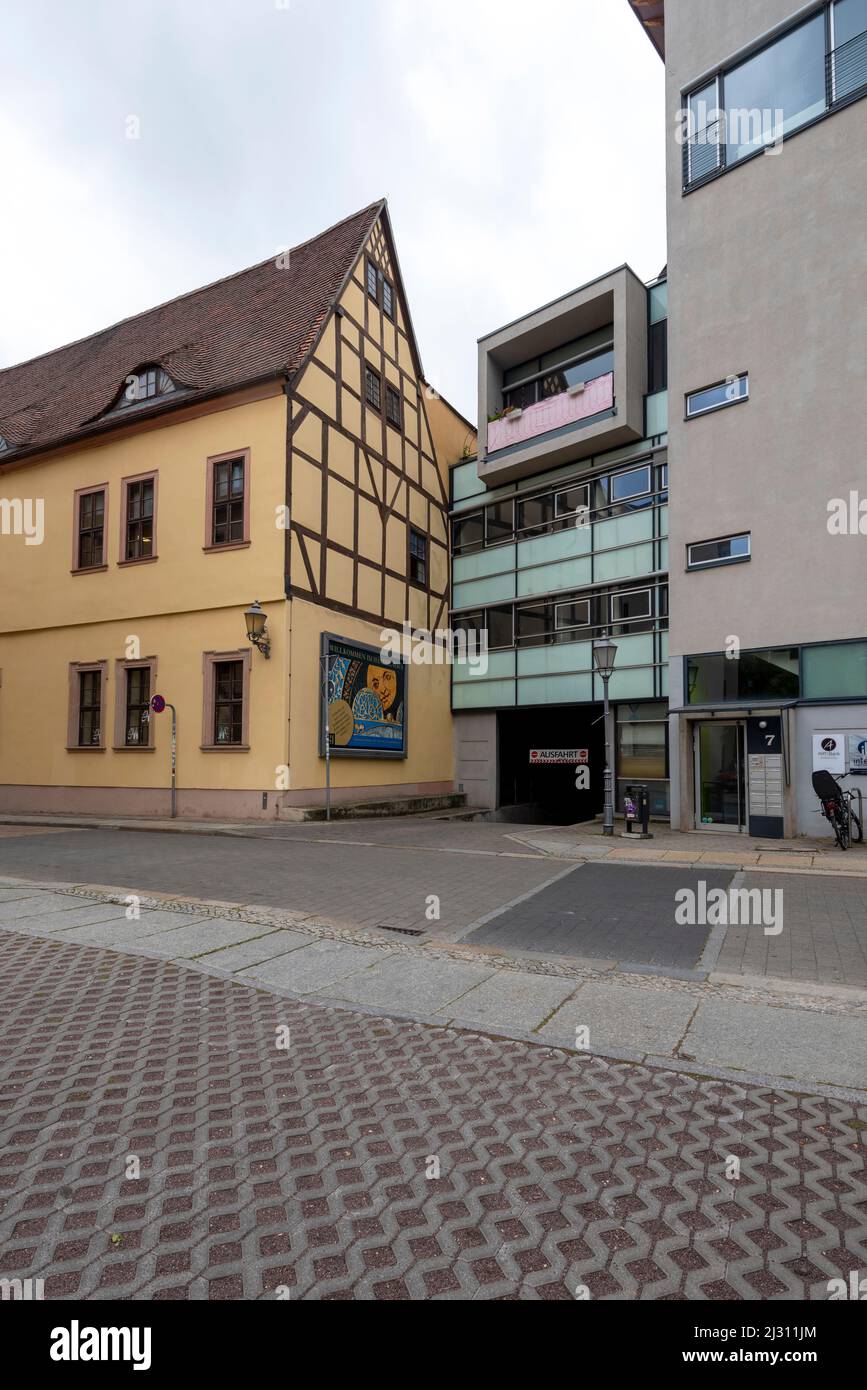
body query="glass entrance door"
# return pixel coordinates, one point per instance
(720, 776)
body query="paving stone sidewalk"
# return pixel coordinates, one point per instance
(380, 1160)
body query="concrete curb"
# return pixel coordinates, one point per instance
(496, 1032)
(456, 1022)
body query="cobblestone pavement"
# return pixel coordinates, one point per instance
(825, 934)
(357, 883)
(307, 1169)
(622, 912)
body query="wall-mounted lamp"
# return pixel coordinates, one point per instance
(257, 630)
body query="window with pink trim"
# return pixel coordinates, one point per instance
(227, 518)
(90, 535)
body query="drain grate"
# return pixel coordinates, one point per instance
(404, 931)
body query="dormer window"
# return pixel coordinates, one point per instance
(144, 385)
(3, 445)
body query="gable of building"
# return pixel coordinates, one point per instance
(365, 482)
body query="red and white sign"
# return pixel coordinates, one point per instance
(559, 757)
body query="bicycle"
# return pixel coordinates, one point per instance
(837, 808)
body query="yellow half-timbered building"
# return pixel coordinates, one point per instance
(265, 445)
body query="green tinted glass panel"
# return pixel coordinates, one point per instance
(657, 413)
(465, 481)
(838, 672)
(659, 302)
(555, 690)
(483, 563)
(501, 586)
(483, 694)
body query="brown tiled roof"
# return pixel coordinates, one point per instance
(257, 323)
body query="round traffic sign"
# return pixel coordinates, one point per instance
(158, 704)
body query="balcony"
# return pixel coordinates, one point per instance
(606, 319)
(552, 414)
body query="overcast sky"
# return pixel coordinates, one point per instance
(520, 146)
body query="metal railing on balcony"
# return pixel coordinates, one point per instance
(703, 153)
(574, 406)
(846, 70)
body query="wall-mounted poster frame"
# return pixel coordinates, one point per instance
(366, 700)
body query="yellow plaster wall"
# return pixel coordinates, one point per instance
(37, 590)
(34, 702)
(430, 758)
(185, 602)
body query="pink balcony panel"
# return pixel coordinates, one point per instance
(553, 414)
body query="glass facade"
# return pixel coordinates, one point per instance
(761, 675)
(821, 671)
(837, 671)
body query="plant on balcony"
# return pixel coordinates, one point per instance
(509, 412)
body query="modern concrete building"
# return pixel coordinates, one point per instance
(559, 533)
(767, 249)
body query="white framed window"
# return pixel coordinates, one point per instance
(728, 392)
(727, 550)
(575, 613)
(631, 604)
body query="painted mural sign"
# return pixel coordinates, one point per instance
(366, 701)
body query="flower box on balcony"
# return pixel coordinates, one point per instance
(553, 413)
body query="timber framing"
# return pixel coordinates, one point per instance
(356, 481)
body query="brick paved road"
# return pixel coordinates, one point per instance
(825, 935)
(305, 1169)
(361, 884)
(623, 912)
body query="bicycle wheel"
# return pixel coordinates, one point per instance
(857, 828)
(841, 826)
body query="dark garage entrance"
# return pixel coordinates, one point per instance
(547, 795)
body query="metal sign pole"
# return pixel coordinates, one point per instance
(174, 761)
(326, 725)
(158, 704)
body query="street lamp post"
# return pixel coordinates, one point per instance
(604, 656)
(324, 683)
